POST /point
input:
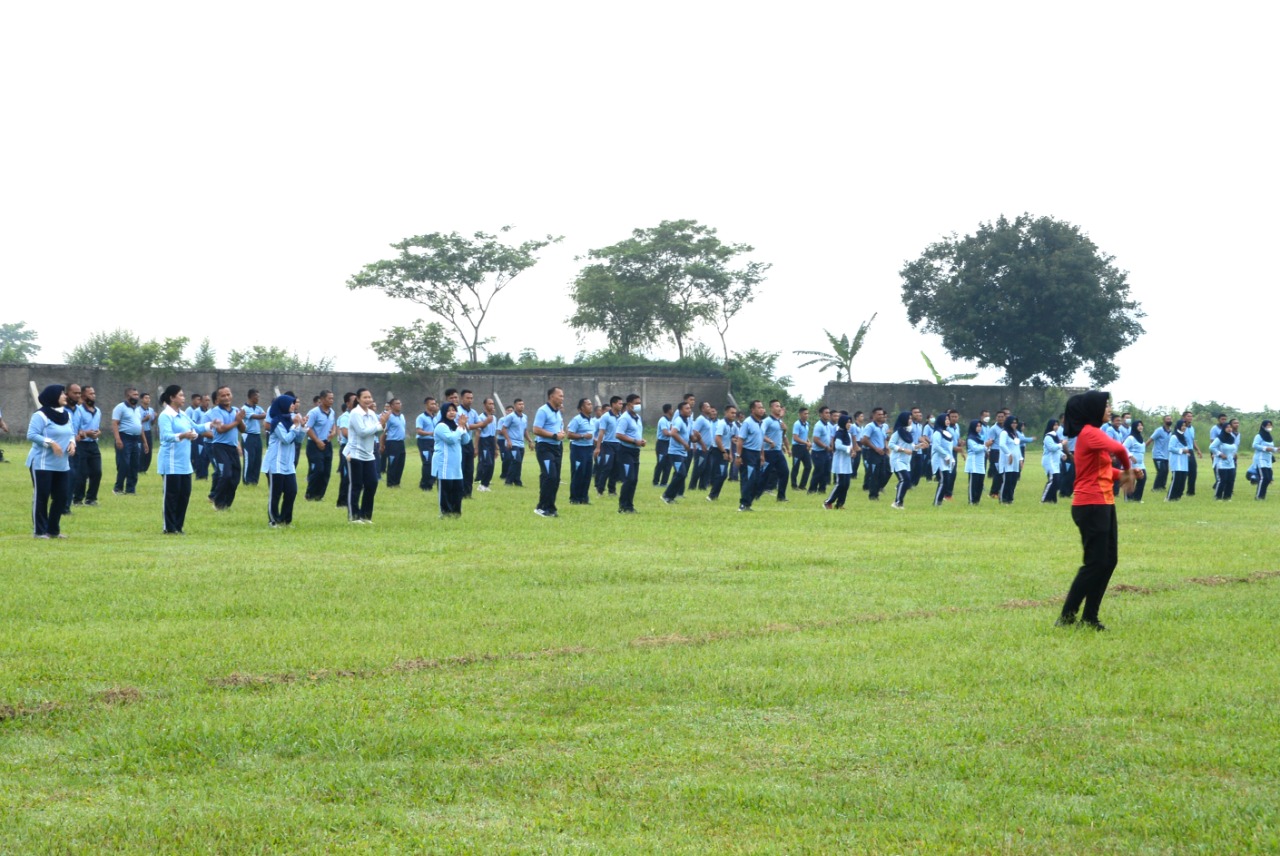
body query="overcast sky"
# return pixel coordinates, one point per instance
(221, 170)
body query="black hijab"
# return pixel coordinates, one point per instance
(940, 425)
(1226, 436)
(1048, 428)
(1264, 432)
(452, 423)
(1136, 432)
(903, 427)
(1083, 409)
(973, 430)
(279, 412)
(49, 404)
(1011, 427)
(842, 431)
(1180, 432)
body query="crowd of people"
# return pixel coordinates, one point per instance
(463, 446)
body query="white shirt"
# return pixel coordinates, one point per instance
(362, 434)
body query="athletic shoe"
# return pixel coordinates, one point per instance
(1065, 621)
(744, 508)
(898, 505)
(710, 499)
(482, 489)
(43, 537)
(1093, 624)
(828, 506)
(91, 502)
(540, 512)
(117, 492)
(668, 501)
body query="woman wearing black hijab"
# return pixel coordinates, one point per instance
(1224, 449)
(975, 460)
(1093, 504)
(53, 442)
(1264, 448)
(902, 448)
(841, 464)
(1180, 452)
(1009, 442)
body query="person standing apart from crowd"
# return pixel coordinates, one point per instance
(942, 456)
(1051, 460)
(224, 450)
(582, 448)
(177, 433)
(662, 467)
(1136, 445)
(902, 448)
(126, 424)
(251, 437)
(1264, 448)
(514, 429)
(680, 451)
(841, 464)
(1093, 505)
(975, 460)
(53, 442)
(391, 447)
(288, 430)
(322, 424)
(1181, 455)
(363, 431)
(425, 428)
(451, 435)
(548, 433)
(631, 440)
(1224, 450)
(87, 422)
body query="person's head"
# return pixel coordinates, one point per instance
(859, 418)
(466, 397)
(1222, 419)
(941, 423)
(585, 407)
(1168, 421)
(707, 408)
(1265, 430)
(52, 397)
(757, 410)
(173, 396)
(803, 414)
(597, 411)
(824, 414)
(730, 413)
(73, 394)
(326, 399)
(843, 422)
(615, 404)
(131, 396)
(222, 396)
(878, 415)
(985, 417)
(427, 401)
(518, 405)
(686, 408)
(666, 410)
(89, 396)
(364, 398)
(430, 405)
(633, 404)
(489, 406)
(975, 426)
(196, 399)
(509, 409)
(775, 408)
(450, 411)
(1137, 429)
(451, 394)
(145, 399)
(915, 415)
(251, 398)
(555, 397)
(1051, 427)
(690, 397)
(1091, 408)
(315, 399)
(348, 400)
(1187, 416)
(1234, 425)
(1116, 419)
(1126, 418)
(395, 405)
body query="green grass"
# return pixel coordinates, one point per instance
(689, 680)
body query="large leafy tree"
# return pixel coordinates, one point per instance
(842, 352)
(17, 343)
(1033, 296)
(455, 277)
(124, 353)
(416, 349)
(625, 310)
(685, 272)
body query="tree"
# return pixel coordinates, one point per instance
(753, 374)
(206, 358)
(1034, 297)
(626, 312)
(843, 350)
(122, 352)
(937, 376)
(262, 358)
(17, 343)
(455, 277)
(417, 349)
(684, 271)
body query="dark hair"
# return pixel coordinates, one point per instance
(325, 392)
(666, 408)
(466, 391)
(876, 410)
(635, 396)
(394, 401)
(551, 391)
(615, 399)
(169, 392)
(362, 389)
(252, 392)
(856, 413)
(824, 409)
(774, 401)
(428, 400)
(517, 401)
(444, 411)
(450, 391)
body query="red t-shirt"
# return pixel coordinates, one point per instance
(1095, 474)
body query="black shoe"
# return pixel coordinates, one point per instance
(1065, 621)
(1093, 624)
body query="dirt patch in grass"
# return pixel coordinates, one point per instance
(18, 711)
(1022, 603)
(1218, 580)
(1132, 589)
(120, 695)
(662, 641)
(239, 679)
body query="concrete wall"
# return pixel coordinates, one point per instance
(1027, 402)
(17, 405)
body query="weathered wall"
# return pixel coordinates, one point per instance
(1026, 402)
(17, 405)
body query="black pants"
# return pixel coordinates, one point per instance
(946, 479)
(679, 472)
(1191, 475)
(177, 496)
(284, 490)
(515, 466)
(1177, 485)
(319, 464)
(488, 458)
(603, 468)
(697, 463)
(1050, 489)
(1226, 483)
(1162, 474)
(919, 467)
(877, 473)
(549, 455)
(426, 448)
(750, 477)
(904, 485)
(821, 471)
(200, 456)
(127, 460)
(468, 466)
(226, 478)
(800, 456)
(1008, 484)
(1264, 479)
(628, 465)
(1067, 479)
(719, 465)
(504, 455)
(450, 497)
(1139, 488)
(580, 465)
(88, 472)
(364, 484)
(840, 492)
(662, 467)
(144, 458)
(344, 480)
(393, 462)
(1100, 536)
(776, 473)
(975, 488)
(51, 489)
(253, 458)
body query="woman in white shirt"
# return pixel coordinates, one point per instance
(363, 430)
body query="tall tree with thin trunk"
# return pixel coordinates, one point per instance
(842, 352)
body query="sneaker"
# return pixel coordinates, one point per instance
(668, 501)
(539, 512)
(828, 506)
(745, 508)
(898, 505)
(117, 492)
(482, 489)
(60, 535)
(91, 502)
(1093, 624)
(43, 537)
(709, 498)
(1065, 621)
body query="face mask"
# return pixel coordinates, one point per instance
(635, 411)
(1126, 423)
(986, 420)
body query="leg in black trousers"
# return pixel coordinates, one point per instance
(488, 451)
(778, 466)
(1050, 489)
(602, 466)
(284, 491)
(975, 488)
(580, 461)
(719, 472)
(698, 460)
(840, 492)
(88, 473)
(253, 458)
(1008, 485)
(629, 476)
(395, 462)
(549, 455)
(1139, 488)
(425, 449)
(1191, 475)
(1099, 534)
(226, 462)
(750, 477)
(127, 459)
(1162, 474)
(679, 472)
(1264, 479)
(1177, 484)
(949, 482)
(515, 464)
(940, 494)
(800, 457)
(344, 481)
(468, 467)
(364, 484)
(450, 497)
(319, 463)
(660, 467)
(904, 485)
(177, 496)
(1226, 482)
(51, 488)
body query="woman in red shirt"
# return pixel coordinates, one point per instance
(1093, 505)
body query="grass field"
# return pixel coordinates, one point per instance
(687, 680)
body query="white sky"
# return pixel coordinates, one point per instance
(222, 169)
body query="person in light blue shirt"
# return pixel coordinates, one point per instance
(842, 447)
(941, 440)
(252, 438)
(1224, 449)
(902, 447)
(800, 448)
(680, 451)
(177, 433)
(87, 423)
(775, 474)
(1189, 433)
(630, 434)
(975, 460)
(226, 420)
(53, 443)
(722, 434)
(1010, 446)
(661, 466)
(548, 435)
(1135, 444)
(452, 438)
(991, 435)
(1159, 443)
(322, 425)
(514, 428)
(288, 430)
(820, 451)
(875, 443)
(425, 430)
(750, 456)
(606, 451)
(703, 428)
(1214, 432)
(1264, 449)
(1181, 454)
(487, 445)
(126, 424)
(148, 417)
(1051, 461)
(391, 447)
(582, 445)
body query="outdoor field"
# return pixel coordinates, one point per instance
(686, 680)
